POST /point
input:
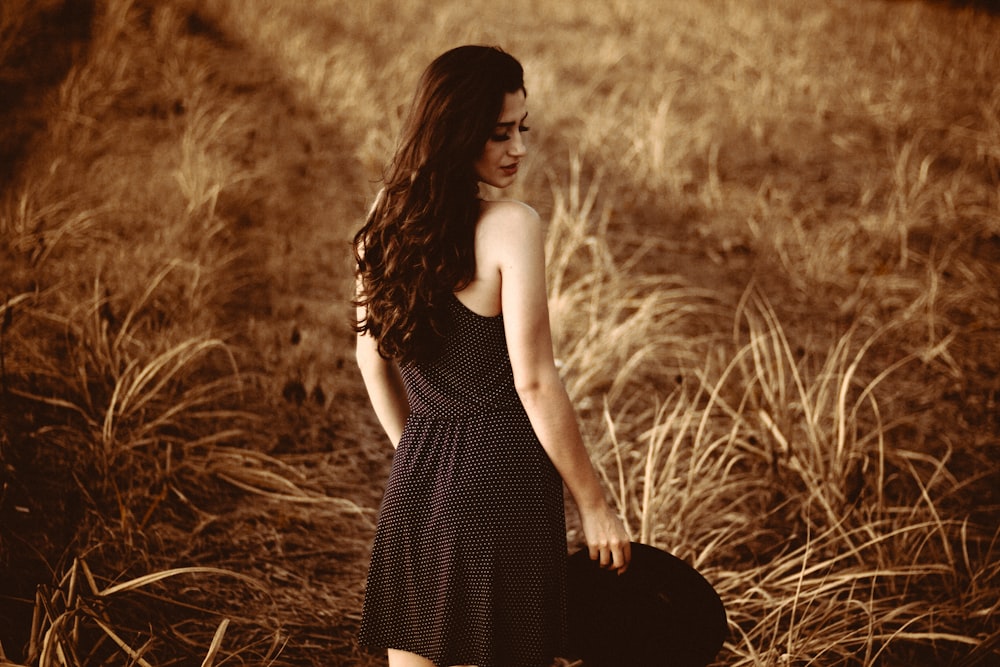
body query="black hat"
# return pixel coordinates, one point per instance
(660, 612)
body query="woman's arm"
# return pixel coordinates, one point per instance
(382, 380)
(518, 246)
(385, 387)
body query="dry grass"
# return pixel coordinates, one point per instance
(774, 239)
(829, 536)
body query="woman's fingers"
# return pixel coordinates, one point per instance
(622, 557)
(601, 553)
(606, 556)
(613, 555)
(594, 551)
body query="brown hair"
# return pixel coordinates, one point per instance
(417, 244)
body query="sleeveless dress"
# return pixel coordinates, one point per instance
(468, 565)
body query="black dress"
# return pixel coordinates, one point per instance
(469, 561)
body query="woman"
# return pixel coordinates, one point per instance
(468, 564)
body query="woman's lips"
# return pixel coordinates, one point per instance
(510, 169)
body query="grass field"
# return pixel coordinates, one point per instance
(774, 246)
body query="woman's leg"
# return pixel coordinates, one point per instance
(399, 658)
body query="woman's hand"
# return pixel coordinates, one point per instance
(607, 540)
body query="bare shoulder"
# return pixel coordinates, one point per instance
(508, 232)
(508, 220)
(509, 210)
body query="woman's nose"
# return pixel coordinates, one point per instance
(517, 146)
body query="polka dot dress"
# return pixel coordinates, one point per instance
(468, 564)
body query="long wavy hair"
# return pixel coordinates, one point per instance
(417, 244)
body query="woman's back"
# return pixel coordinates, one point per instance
(469, 373)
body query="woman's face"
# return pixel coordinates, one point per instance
(497, 165)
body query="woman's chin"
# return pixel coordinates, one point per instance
(502, 182)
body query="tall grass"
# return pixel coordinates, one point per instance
(773, 239)
(775, 472)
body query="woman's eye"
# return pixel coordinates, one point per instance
(504, 137)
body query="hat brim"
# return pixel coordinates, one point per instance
(661, 611)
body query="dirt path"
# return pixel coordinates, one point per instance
(294, 226)
(291, 505)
